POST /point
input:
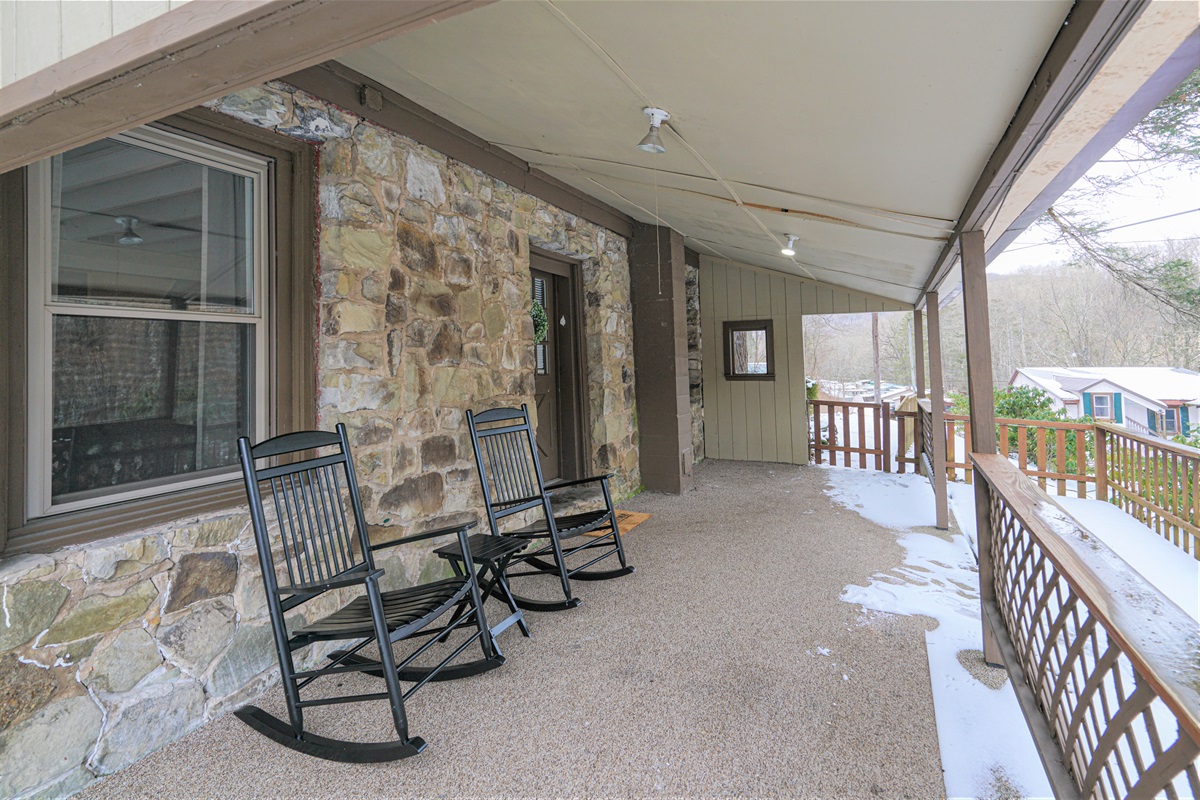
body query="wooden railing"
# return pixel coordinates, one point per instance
(1154, 481)
(908, 430)
(1044, 449)
(1111, 683)
(840, 426)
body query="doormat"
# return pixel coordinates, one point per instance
(626, 521)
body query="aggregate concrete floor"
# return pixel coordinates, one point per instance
(726, 666)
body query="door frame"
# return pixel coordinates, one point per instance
(574, 434)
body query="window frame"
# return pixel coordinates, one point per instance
(44, 308)
(289, 373)
(731, 327)
(1107, 395)
(1171, 421)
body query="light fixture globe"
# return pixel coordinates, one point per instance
(651, 143)
(789, 249)
(129, 235)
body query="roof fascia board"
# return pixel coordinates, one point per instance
(896, 305)
(187, 56)
(343, 86)
(1089, 34)
(1164, 81)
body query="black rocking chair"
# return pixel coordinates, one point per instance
(324, 551)
(506, 456)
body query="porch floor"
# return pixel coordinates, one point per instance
(725, 666)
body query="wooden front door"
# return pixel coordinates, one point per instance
(545, 380)
(557, 390)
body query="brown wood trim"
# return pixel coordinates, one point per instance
(292, 344)
(342, 86)
(729, 328)
(186, 56)
(13, 276)
(1091, 31)
(582, 444)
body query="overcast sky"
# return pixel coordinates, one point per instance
(1164, 191)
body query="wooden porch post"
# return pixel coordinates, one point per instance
(937, 399)
(919, 350)
(983, 416)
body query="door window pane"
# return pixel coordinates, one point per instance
(136, 227)
(139, 400)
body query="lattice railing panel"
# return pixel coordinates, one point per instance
(1117, 736)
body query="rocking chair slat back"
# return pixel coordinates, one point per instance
(320, 537)
(510, 474)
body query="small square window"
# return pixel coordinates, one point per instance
(749, 350)
(1102, 406)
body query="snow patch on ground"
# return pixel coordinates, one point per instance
(981, 731)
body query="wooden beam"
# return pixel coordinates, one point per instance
(983, 417)
(189, 55)
(937, 399)
(979, 344)
(1090, 33)
(919, 350)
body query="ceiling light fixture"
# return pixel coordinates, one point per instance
(650, 143)
(129, 236)
(789, 250)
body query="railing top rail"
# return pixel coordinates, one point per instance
(1158, 636)
(1028, 423)
(840, 403)
(1164, 444)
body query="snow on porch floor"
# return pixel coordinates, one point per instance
(985, 745)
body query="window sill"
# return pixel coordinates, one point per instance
(46, 534)
(766, 376)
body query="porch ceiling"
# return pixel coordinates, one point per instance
(860, 127)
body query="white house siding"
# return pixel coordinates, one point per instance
(35, 34)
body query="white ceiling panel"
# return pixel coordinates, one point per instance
(860, 126)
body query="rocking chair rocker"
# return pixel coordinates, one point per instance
(511, 474)
(324, 551)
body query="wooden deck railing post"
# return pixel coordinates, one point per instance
(982, 436)
(887, 436)
(1100, 437)
(937, 391)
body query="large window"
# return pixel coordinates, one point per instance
(146, 254)
(167, 309)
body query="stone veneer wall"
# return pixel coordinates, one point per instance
(112, 650)
(695, 359)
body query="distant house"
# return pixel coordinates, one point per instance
(1160, 401)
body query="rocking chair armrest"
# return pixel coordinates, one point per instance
(550, 487)
(417, 537)
(360, 576)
